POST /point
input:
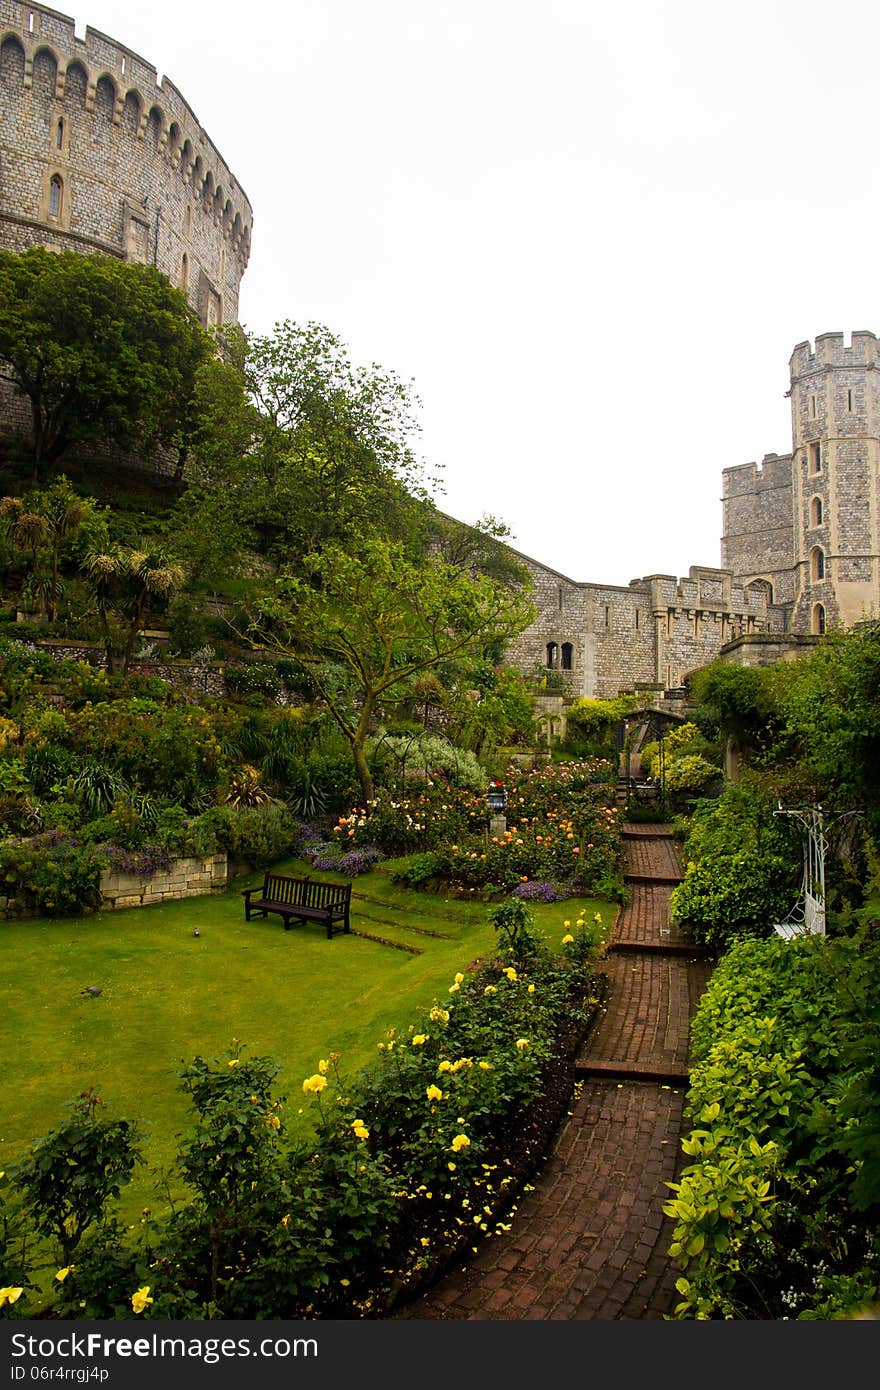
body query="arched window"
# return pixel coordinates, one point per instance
(56, 195)
(817, 563)
(567, 655)
(816, 511)
(552, 655)
(819, 619)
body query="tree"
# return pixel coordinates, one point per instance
(365, 625)
(214, 520)
(829, 704)
(126, 583)
(335, 445)
(737, 704)
(102, 350)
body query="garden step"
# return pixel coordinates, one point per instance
(384, 941)
(661, 947)
(629, 1071)
(374, 918)
(652, 877)
(631, 830)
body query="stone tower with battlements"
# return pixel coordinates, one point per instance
(805, 526)
(97, 156)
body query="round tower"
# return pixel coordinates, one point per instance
(835, 413)
(97, 156)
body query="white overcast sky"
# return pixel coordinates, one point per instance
(591, 234)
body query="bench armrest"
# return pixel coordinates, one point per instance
(246, 892)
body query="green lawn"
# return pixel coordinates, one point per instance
(168, 995)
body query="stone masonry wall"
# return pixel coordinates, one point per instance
(809, 522)
(187, 878)
(98, 156)
(649, 634)
(136, 175)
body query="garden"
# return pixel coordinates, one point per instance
(208, 1118)
(425, 1058)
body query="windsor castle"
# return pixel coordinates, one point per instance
(97, 156)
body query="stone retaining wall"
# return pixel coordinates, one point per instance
(187, 878)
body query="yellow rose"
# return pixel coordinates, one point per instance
(460, 1142)
(10, 1295)
(434, 1093)
(521, 1043)
(140, 1299)
(419, 1038)
(314, 1085)
(567, 939)
(63, 1273)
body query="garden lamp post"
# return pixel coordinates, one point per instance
(496, 796)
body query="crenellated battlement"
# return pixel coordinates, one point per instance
(831, 350)
(93, 114)
(746, 479)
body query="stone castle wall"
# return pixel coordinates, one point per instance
(807, 524)
(97, 156)
(601, 639)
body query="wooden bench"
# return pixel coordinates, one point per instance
(301, 900)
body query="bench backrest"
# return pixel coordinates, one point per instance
(305, 892)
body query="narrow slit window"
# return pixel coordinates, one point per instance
(816, 457)
(59, 135)
(56, 194)
(849, 400)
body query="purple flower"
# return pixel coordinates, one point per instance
(538, 893)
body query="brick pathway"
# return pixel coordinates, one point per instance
(590, 1240)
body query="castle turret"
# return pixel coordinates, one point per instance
(97, 156)
(835, 413)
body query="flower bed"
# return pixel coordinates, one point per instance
(561, 831)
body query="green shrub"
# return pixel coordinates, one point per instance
(261, 835)
(770, 1220)
(51, 875)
